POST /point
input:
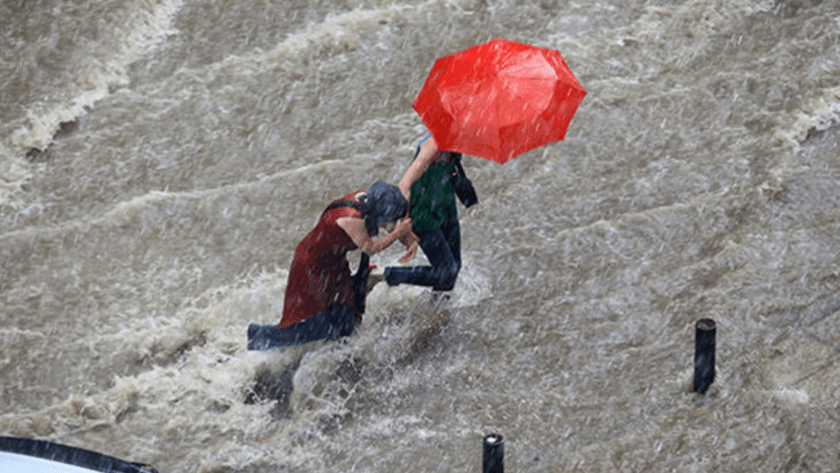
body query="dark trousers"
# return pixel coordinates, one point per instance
(337, 321)
(443, 249)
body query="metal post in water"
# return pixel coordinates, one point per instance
(494, 454)
(704, 355)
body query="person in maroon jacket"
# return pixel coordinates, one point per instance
(320, 298)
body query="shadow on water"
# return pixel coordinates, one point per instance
(277, 387)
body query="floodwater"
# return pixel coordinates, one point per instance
(161, 159)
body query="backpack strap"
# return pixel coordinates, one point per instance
(346, 203)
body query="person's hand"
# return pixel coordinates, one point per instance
(409, 253)
(403, 227)
(411, 242)
(404, 232)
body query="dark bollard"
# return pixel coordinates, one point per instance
(704, 355)
(494, 454)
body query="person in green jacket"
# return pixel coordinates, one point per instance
(427, 186)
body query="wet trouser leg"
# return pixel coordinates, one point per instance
(337, 321)
(443, 249)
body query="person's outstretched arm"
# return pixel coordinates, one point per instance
(427, 155)
(355, 229)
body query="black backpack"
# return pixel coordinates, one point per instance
(463, 186)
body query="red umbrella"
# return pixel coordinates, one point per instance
(499, 99)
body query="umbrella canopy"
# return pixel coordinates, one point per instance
(499, 99)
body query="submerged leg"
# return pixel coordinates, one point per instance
(337, 321)
(269, 337)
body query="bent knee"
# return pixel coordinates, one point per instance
(449, 276)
